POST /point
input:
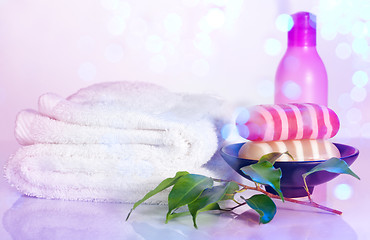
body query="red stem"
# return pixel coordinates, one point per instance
(311, 203)
(257, 188)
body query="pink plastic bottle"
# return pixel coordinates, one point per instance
(301, 76)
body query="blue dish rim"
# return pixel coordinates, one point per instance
(338, 145)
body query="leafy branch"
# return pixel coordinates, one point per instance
(200, 193)
(293, 200)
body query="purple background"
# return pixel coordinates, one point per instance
(227, 48)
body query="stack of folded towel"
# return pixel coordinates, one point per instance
(113, 142)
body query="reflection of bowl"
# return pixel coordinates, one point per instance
(291, 183)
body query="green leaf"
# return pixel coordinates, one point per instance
(264, 173)
(263, 205)
(168, 182)
(209, 196)
(334, 165)
(230, 191)
(186, 190)
(272, 157)
(213, 206)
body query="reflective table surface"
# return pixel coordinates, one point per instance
(25, 217)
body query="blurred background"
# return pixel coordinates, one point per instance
(228, 48)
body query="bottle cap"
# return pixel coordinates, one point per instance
(303, 32)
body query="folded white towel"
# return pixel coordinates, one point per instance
(114, 142)
(94, 171)
(119, 105)
(192, 143)
(31, 127)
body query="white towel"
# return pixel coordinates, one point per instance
(192, 142)
(120, 105)
(94, 171)
(114, 142)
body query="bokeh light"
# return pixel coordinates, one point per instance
(87, 71)
(229, 132)
(203, 43)
(200, 67)
(173, 23)
(345, 101)
(343, 50)
(220, 3)
(86, 43)
(312, 20)
(109, 4)
(360, 79)
(215, 18)
(344, 133)
(116, 25)
(292, 90)
(158, 63)
(349, 18)
(284, 22)
(367, 25)
(328, 32)
(114, 53)
(226, 130)
(233, 9)
(272, 46)
(166, 38)
(360, 46)
(292, 63)
(345, 25)
(354, 115)
(190, 3)
(265, 88)
(123, 9)
(365, 130)
(343, 191)
(154, 44)
(359, 29)
(243, 130)
(242, 116)
(358, 94)
(138, 27)
(171, 50)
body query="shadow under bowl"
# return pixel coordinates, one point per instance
(291, 183)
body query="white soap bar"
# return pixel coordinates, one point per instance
(301, 150)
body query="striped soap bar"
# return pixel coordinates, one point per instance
(287, 121)
(301, 150)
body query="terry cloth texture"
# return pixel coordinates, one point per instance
(115, 142)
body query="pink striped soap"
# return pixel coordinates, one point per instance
(287, 121)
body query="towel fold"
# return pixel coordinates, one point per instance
(141, 110)
(190, 142)
(31, 127)
(114, 142)
(95, 171)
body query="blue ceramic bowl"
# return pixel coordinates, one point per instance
(291, 183)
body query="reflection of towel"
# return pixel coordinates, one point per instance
(113, 142)
(41, 219)
(32, 218)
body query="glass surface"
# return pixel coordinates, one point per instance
(31, 218)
